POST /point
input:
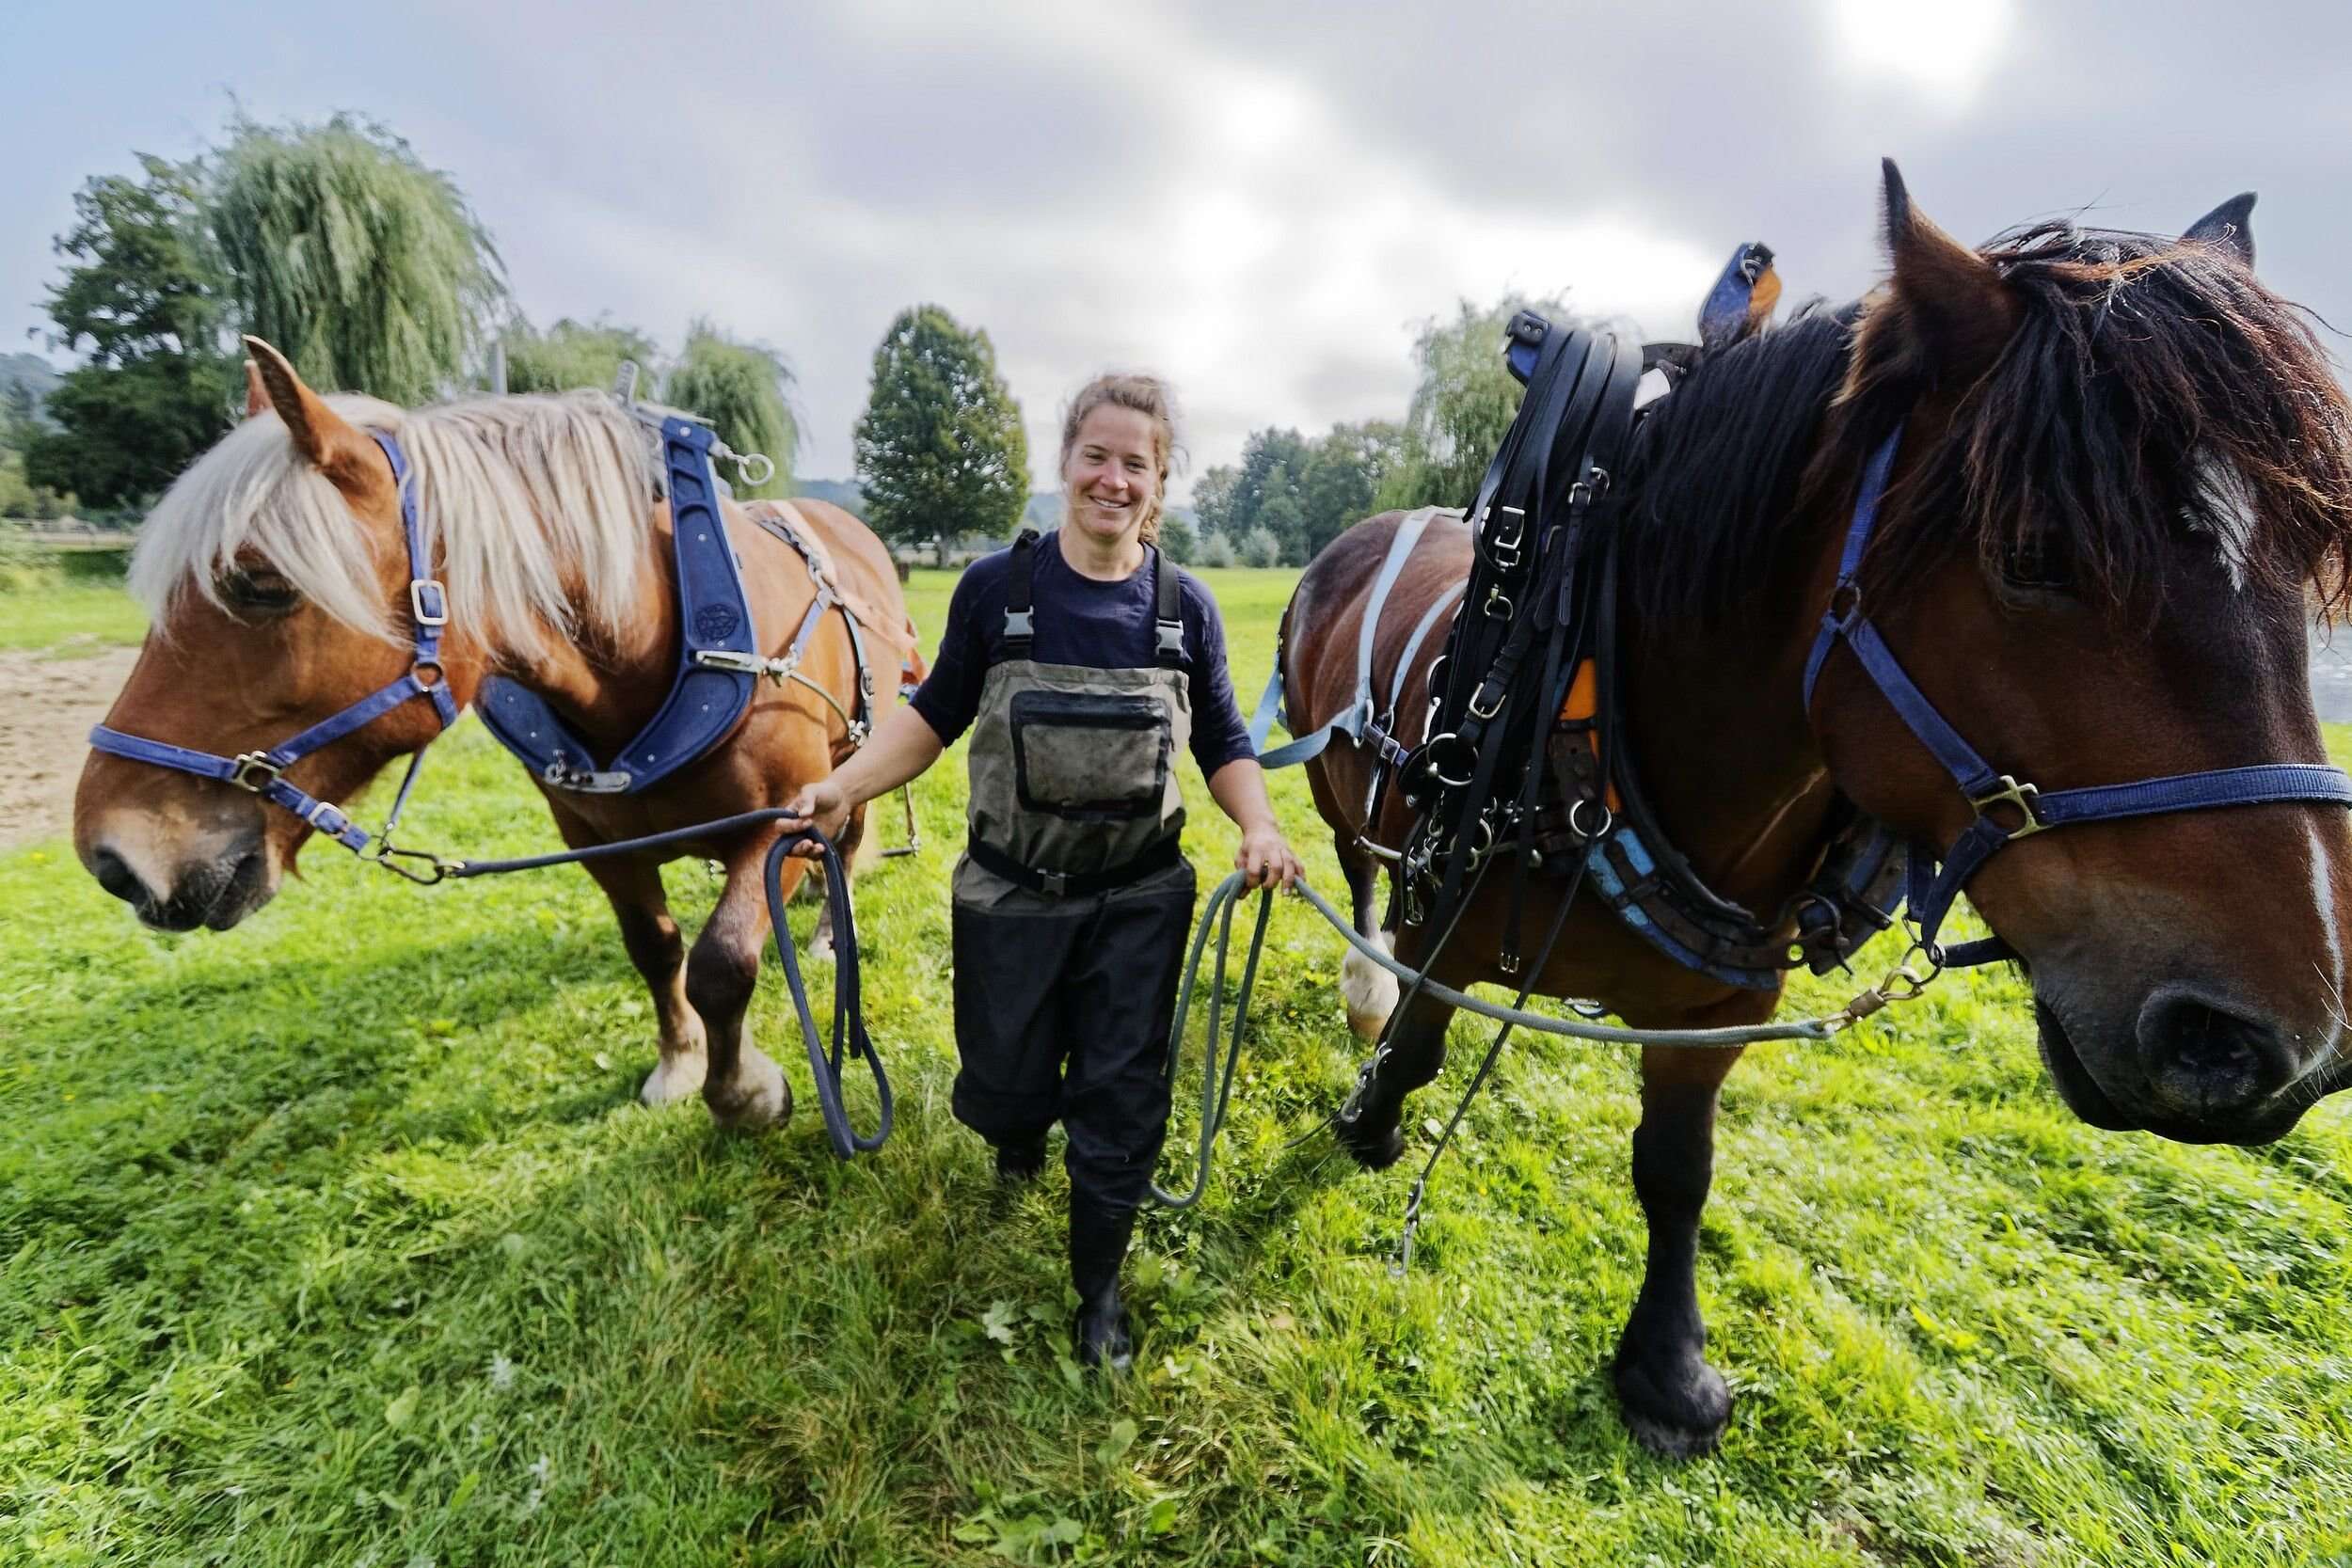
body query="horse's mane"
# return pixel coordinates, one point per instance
(534, 507)
(2150, 386)
(1715, 468)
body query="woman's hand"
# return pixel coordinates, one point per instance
(823, 805)
(1266, 859)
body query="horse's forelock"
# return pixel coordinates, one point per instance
(2140, 368)
(533, 510)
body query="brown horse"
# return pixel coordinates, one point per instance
(278, 580)
(2124, 474)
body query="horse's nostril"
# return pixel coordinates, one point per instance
(2208, 1059)
(117, 877)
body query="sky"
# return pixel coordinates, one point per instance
(1260, 201)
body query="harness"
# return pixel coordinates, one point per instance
(719, 659)
(2007, 809)
(262, 772)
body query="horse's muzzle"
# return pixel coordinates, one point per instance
(215, 893)
(2189, 1066)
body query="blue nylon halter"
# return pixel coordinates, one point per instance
(1933, 886)
(262, 772)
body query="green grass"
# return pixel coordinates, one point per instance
(68, 602)
(340, 1239)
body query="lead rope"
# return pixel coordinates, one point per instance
(1905, 982)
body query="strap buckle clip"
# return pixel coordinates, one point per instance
(1054, 884)
(255, 772)
(428, 604)
(2020, 795)
(328, 818)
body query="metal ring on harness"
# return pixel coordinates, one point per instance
(1437, 750)
(1608, 818)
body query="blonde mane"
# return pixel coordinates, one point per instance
(534, 507)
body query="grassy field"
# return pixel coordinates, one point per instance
(67, 603)
(341, 1238)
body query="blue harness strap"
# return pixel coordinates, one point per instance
(719, 658)
(1937, 875)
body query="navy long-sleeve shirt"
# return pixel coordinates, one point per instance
(1095, 626)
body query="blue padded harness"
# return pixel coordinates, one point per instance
(262, 772)
(719, 659)
(1937, 877)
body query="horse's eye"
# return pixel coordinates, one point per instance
(2040, 561)
(259, 593)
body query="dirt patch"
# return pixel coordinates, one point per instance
(47, 705)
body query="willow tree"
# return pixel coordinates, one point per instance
(1464, 401)
(368, 269)
(571, 354)
(742, 388)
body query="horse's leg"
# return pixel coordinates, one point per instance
(1408, 1056)
(744, 1089)
(651, 936)
(1368, 989)
(1673, 1401)
(857, 849)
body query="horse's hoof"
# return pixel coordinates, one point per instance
(1675, 1406)
(675, 1078)
(1372, 1147)
(757, 1098)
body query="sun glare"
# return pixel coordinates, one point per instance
(1945, 50)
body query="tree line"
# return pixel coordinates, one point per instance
(373, 273)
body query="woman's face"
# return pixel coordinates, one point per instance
(1112, 475)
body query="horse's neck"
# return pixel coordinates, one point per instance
(1726, 757)
(608, 684)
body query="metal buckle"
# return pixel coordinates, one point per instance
(1491, 709)
(1506, 551)
(733, 662)
(1054, 884)
(1592, 486)
(320, 814)
(255, 772)
(2012, 792)
(425, 592)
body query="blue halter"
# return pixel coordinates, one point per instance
(262, 772)
(2024, 810)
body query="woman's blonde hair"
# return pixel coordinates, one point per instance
(1147, 395)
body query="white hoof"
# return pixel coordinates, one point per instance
(675, 1078)
(1369, 991)
(758, 1096)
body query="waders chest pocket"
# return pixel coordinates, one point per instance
(1090, 755)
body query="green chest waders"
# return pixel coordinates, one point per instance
(1071, 904)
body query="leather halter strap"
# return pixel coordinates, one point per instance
(262, 772)
(1937, 877)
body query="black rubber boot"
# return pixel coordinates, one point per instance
(1017, 1164)
(1101, 1335)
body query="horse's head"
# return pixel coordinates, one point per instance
(2124, 478)
(278, 573)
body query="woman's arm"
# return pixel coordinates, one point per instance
(1265, 856)
(901, 746)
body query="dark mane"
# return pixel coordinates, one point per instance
(1716, 468)
(2151, 385)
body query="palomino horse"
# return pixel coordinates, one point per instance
(277, 573)
(2124, 476)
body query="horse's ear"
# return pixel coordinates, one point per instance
(2229, 229)
(1950, 309)
(326, 439)
(256, 395)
